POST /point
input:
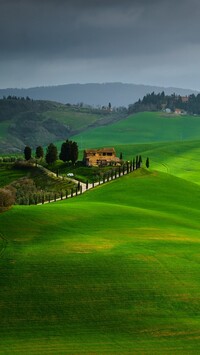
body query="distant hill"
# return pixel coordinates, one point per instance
(38, 122)
(118, 94)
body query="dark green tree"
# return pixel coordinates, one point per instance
(27, 153)
(69, 151)
(51, 154)
(147, 163)
(63, 152)
(39, 153)
(140, 161)
(74, 152)
(133, 164)
(136, 163)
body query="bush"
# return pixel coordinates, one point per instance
(7, 197)
(25, 189)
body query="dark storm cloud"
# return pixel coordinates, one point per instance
(96, 28)
(142, 35)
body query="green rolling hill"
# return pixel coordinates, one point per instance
(114, 271)
(142, 127)
(171, 142)
(181, 159)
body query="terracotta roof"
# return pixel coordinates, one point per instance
(100, 150)
(90, 150)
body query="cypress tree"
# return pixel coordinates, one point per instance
(133, 164)
(69, 151)
(39, 153)
(63, 152)
(27, 153)
(51, 154)
(74, 152)
(136, 163)
(140, 161)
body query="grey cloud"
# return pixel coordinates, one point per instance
(99, 28)
(141, 32)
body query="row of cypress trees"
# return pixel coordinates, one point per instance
(69, 152)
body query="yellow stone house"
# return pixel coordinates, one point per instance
(101, 156)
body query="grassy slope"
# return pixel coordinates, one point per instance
(177, 158)
(8, 175)
(142, 127)
(74, 119)
(115, 270)
(171, 142)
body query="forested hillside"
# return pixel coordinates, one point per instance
(161, 101)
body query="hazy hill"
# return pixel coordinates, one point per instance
(118, 94)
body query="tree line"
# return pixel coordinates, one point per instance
(13, 97)
(69, 152)
(160, 101)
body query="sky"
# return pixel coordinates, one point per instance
(53, 42)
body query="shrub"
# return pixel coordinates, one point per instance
(7, 197)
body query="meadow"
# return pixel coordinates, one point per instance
(115, 271)
(179, 159)
(143, 127)
(170, 141)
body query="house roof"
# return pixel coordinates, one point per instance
(100, 150)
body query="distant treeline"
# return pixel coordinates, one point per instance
(158, 102)
(13, 97)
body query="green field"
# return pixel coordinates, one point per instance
(114, 271)
(171, 142)
(144, 127)
(181, 159)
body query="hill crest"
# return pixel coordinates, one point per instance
(95, 94)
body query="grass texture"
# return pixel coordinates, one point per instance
(144, 127)
(114, 271)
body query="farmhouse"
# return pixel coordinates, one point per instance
(99, 157)
(178, 111)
